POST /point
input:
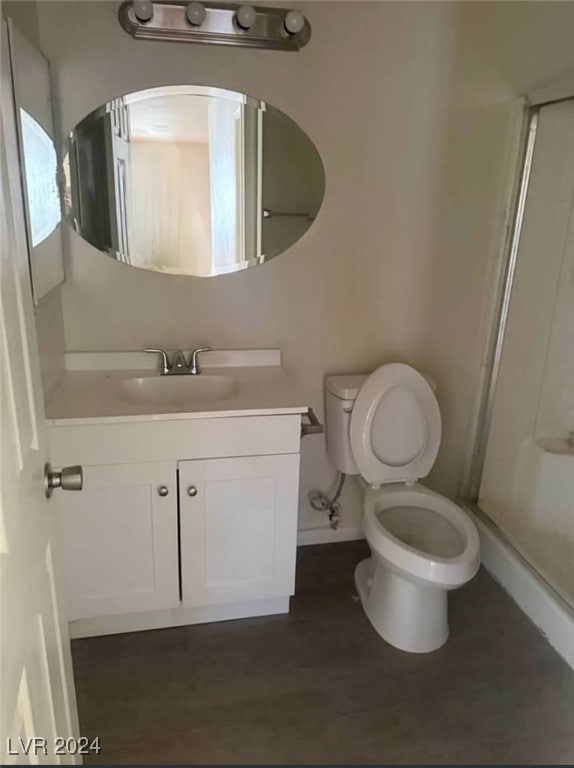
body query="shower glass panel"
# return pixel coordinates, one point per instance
(527, 485)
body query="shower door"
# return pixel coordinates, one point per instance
(527, 484)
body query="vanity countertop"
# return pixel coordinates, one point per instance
(85, 396)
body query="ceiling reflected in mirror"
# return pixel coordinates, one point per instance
(191, 180)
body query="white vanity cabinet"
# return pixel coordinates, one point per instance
(237, 528)
(180, 521)
(118, 540)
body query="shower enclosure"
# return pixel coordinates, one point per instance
(523, 470)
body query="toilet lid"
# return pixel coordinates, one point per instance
(395, 426)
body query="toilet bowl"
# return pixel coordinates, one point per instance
(422, 545)
(386, 427)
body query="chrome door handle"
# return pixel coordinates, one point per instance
(192, 490)
(67, 478)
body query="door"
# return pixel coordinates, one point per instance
(225, 130)
(119, 540)
(238, 528)
(117, 157)
(36, 684)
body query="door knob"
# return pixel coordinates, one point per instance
(192, 490)
(67, 478)
(163, 490)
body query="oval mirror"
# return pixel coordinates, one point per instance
(191, 180)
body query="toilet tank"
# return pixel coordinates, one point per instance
(340, 394)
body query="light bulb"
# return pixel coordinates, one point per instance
(195, 13)
(294, 22)
(143, 10)
(245, 16)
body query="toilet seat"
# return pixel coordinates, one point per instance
(448, 572)
(395, 428)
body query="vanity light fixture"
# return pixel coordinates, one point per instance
(195, 13)
(246, 16)
(218, 23)
(294, 22)
(143, 10)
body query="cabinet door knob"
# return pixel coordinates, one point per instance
(192, 490)
(163, 490)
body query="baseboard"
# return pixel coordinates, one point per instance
(543, 607)
(328, 535)
(176, 617)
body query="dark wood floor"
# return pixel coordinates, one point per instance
(320, 686)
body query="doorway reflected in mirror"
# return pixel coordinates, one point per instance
(191, 180)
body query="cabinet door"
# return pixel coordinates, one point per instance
(119, 540)
(238, 528)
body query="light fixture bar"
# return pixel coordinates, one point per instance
(222, 24)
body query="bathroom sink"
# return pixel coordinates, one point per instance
(178, 391)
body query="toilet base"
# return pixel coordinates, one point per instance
(408, 615)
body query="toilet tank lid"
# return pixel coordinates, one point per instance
(345, 387)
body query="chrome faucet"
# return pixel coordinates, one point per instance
(178, 365)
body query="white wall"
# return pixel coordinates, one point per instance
(401, 261)
(25, 16)
(50, 329)
(371, 90)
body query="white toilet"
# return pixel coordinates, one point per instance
(386, 427)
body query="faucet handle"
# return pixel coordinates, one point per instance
(193, 364)
(165, 366)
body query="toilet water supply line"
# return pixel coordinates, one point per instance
(323, 503)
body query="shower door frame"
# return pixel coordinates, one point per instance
(499, 319)
(470, 487)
